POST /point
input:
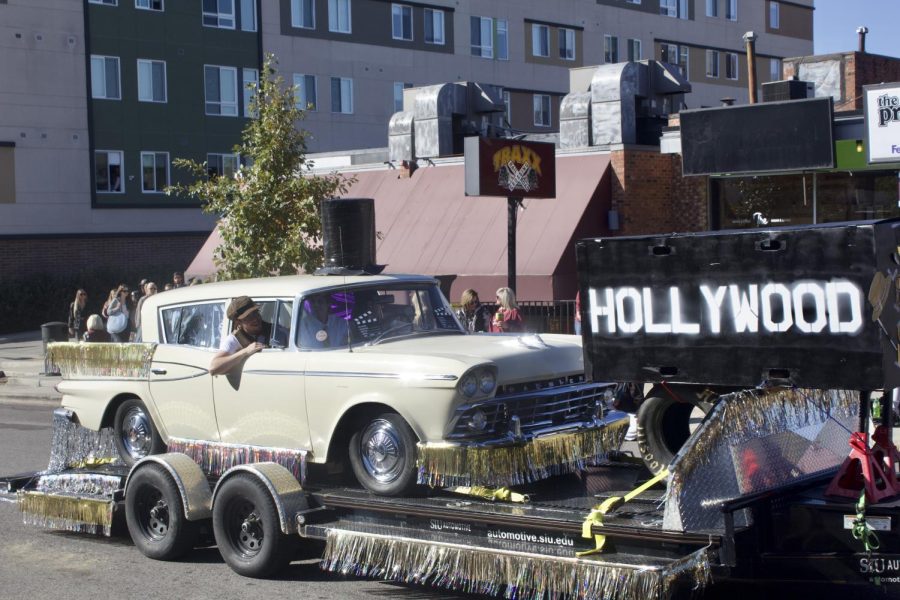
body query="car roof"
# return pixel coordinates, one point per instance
(271, 287)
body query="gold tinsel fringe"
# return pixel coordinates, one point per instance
(754, 414)
(68, 513)
(512, 574)
(80, 359)
(451, 465)
(215, 458)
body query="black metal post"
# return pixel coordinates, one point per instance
(512, 207)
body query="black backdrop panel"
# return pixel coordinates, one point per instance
(742, 307)
(768, 137)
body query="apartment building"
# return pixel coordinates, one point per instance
(352, 59)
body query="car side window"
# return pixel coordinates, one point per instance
(196, 325)
(281, 324)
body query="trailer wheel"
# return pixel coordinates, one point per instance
(136, 435)
(155, 515)
(247, 530)
(663, 426)
(382, 454)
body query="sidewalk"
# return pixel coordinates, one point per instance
(22, 360)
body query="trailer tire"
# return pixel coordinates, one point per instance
(135, 433)
(155, 515)
(247, 528)
(383, 454)
(663, 426)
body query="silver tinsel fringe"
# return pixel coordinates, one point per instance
(80, 359)
(66, 513)
(512, 574)
(74, 446)
(79, 484)
(216, 457)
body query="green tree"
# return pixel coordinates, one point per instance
(269, 210)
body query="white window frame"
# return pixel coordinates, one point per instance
(712, 64)
(434, 16)
(684, 54)
(226, 157)
(104, 2)
(399, 86)
(149, 5)
(540, 40)
(121, 164)
(302, 92)
(634, 49)
(731, 66)
(297, 20)
(567, 48)
(402, 14)
(249, 76)
(484, 50)
(104, 95)
(668, 8)
(501, 47)
(336, 23)
(774, 15)
(632, 1)
(731, 10)
(155, 156)
(345, 85)
(507, 104)
(221, 103)
(610, 50)
(223, 20)
(712, 8)
(246, 24)
(542, 118)
(142, 93)
(775, 69)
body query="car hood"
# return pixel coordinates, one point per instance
(517, 357)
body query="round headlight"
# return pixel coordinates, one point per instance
(469, 386)
(478, 420)
(486, 382)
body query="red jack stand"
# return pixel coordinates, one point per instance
(887, 454)
(864, 468)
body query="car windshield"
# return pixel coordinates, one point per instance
(373, 314)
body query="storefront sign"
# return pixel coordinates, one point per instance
(882, 112)
(510, 168)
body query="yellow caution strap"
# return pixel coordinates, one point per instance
(493, 494)
(595, 517)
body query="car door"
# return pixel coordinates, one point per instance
(179, 383)
(262, 403)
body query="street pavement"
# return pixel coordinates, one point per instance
(22, 362)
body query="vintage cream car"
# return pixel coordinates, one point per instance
(388, 381)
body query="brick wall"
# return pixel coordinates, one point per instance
(651, 196)
(866, 69)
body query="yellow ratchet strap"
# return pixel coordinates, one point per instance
(502, 494)
(595, 517)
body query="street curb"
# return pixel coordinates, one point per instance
(30, 401)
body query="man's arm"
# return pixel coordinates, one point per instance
(223, 361)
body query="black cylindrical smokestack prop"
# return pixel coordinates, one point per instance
(348, 233)
(861, 33)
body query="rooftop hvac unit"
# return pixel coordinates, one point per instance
(789, 89)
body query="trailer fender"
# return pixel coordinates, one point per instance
(189, 479)
(284, 488)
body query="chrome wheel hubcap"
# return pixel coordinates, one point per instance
(381, 450)
(137, 434)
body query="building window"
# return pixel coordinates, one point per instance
(712, 63)
(220, 84)
(342, 95)
(339, 16)
(148, 4)
(105, 77)
(482, 30)
(507, 107)
(251, 83)
(731, 65)
(154, 172)
(567, 43)
(434, 26)
(305, 91)
(712, 8)
(610, 49)
(108, 171)
(401, 22)
(677, 55)
(502, 36)
(218, 13)
(731, 10)
(632, 1)
(542, 110)
(634, 50)
(774, 15)
(248, 15)
(104, 2)
(540, 40)
(677, 9)
(774, 69)
(7, 174)
(218, 165)
(399, 86)
(151, 80)
(303, 14)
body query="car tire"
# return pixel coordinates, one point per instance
(247, 529)
(383, 455)
(663, 426)
(135, 433)
(155, 516)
